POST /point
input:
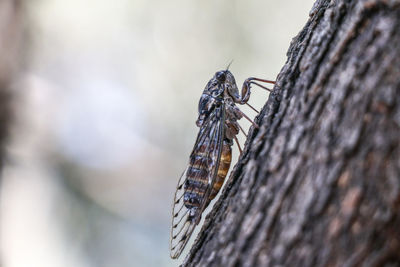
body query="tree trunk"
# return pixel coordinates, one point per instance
(318, 183)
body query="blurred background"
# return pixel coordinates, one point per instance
(104, 119)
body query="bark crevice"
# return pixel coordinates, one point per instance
(319, 182)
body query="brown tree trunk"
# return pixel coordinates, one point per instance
(319, 183)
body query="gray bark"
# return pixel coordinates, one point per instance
(318, 183)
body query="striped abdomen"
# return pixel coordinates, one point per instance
(224, 164)
(198, 175)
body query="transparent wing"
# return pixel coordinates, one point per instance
(182, 224)
(208, 145)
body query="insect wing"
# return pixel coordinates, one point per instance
(182, 224)
(208, 145)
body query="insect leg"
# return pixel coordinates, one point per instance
(247, 118)
(261, 80)
(269, 90)
(252, 107)
(237, 142)
(241, 129)
(245, 94)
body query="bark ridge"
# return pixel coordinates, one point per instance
(319, 182)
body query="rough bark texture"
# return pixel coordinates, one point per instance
(319, 183)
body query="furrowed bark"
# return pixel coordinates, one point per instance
(319, 182)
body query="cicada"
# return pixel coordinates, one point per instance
(211, 157)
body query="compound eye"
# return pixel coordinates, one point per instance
(221, 76)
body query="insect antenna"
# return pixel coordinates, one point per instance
(227, 68)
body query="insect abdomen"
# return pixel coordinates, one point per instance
(197, 178)
(224, 164)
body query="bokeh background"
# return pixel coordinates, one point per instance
(105, 119)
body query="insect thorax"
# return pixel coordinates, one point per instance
(215, 93)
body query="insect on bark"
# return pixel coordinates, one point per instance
(211, 157)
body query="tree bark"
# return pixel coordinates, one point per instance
(318, 183)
